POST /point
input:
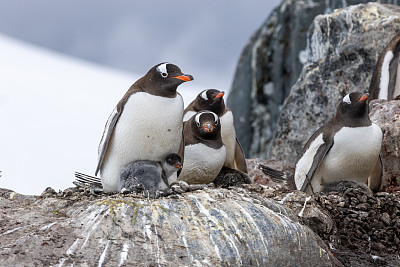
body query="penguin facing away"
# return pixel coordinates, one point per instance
(212, 99)
(385, 80)
(346, 148)
(204, 150)
(151, 175)
(145, 125)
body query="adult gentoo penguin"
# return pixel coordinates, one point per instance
(212, 99)
(346, 148)
(145, 125)
(151, 175)
(204, 151)
(385, 80)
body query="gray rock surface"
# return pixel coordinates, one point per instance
(342, 49)
(215, 227)
(273, 59)
(386, 114)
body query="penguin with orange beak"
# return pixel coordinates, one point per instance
(146, 124)
(346, 148)
(204, 150)
(212, 100)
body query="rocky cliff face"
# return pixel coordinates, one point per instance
(386, 114)
(273, 59)
(342, 51)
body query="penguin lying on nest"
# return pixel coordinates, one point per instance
(346, 148)
(204, 151)
(234, 170)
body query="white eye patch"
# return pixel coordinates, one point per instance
(204, 95)
(197, 118)
(346, 99)
(162, 68)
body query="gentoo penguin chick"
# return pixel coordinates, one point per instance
(212, 99)
(204, 151)
(151, 175)
(385, 80)
(346, 148)
(145, 125)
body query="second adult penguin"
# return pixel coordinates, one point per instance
(212, 99)
(346, 148)
(145, 125)
(204, 151)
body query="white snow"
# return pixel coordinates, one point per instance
(53, 109)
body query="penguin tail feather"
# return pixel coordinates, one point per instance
(275, 175)
(84, 180)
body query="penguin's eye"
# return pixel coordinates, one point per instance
(216, 122)
(198, 124)
(164, 74)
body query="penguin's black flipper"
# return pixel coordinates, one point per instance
(318, 158)
(84, 179)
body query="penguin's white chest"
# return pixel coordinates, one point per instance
(228, 138)
(149, 128)
(202, 163)
(352, 157)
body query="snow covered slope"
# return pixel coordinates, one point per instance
(52, 113)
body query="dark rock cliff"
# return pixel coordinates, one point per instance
(342, 50)
(273, 59)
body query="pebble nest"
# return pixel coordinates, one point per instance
(367, 226)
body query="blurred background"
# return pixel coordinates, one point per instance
(65, 64)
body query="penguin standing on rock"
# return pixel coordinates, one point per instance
(204, 150)
(212, 99)
(145, 125)
(346, 148)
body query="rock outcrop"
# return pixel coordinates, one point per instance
(252, 225)
(386, 114)
(273, 59)
(215, 227)
(341, 54)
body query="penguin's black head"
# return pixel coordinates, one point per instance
(207, 124)
(174, 160)
(210, 99)
(354, 106)
(163, 79)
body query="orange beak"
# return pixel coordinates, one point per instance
(178, 166)
(208, 127)
(184, 78)
(364, 97)
(220, 95)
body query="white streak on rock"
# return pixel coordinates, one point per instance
(103, 255)
(124, 254)
(12, 230)
(304, 206)
(47, 226)
(93, 228)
